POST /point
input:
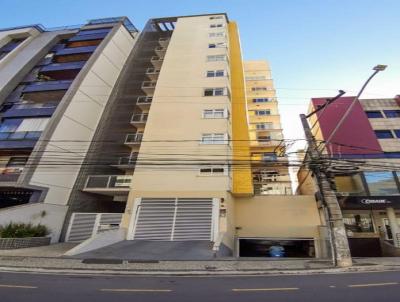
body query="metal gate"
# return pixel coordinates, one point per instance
(174, 219)
(85, 225)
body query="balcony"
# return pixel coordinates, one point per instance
(10, 174)
(75, 50)
(97, 36)
(31, 109)
(160, 51)
(62, 71)
(47, 86)
(139, 119)
(127, 163)
(134, 139)
(19, 140)
(156, 61)
(272, 189)
(149, 86)
(163, 42)
(263, 178)
(144, 102)
(108, 184)
(152, 73)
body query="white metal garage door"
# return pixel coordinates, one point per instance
(174, 219)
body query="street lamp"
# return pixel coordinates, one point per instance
(376, 69)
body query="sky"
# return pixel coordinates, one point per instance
(314, 47)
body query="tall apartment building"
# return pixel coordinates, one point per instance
(363, 157)
(54, 86)
(168, 155)
(270, 165)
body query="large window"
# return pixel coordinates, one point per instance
(374, 114)
(215, 91)
(350, 184)
(392, 113)
(215, 113)
(215, 73)
(383, 134)
(33, 124)
(261, 100)
(214, 138)
(262, 112)
(216, 58)
(381, 183)
(358, 223)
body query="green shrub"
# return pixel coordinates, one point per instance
(22, 230)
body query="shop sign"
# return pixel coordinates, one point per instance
(369, 202)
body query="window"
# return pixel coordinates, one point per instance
(262, 112)
(381, 183)
(374, 114)
(215, 113)
(217, 45)
(17, 161)
(216, 58)
(382, 134)
(261, 100)
(392, 113)
(10, 46)
(216, 25)
(213, 170)
(216, 35)
(33, 124)
(397, 133)
(215, 91)
(215, 73)
(350, 184)
(216, 17)
(269, 156)
(259, 88)
(264, 126)
(264, 138)
(214, 138)
(358, 223)
(10, 125)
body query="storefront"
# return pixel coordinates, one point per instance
(371, 223)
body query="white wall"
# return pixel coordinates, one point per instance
(49, 215)
(75, 129)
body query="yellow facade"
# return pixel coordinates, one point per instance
(241, 176)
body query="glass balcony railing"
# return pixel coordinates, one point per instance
(144, 100)
(20, 135)
(47, 86)
(108, 181)
(139, 118)
(134, 138)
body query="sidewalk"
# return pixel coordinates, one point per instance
(49, 260)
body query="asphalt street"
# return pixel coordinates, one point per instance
(382, 286)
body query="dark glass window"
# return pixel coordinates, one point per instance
(392, 113)
(397, 133)
(374, 114)
(383, 134)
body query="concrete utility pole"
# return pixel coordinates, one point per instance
(341, 250)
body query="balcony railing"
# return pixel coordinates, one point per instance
(47, 86)
(149, 84)
(144, 100)
(75, 50)
(10, 174)
(63, 66)
(108, 182)
(97, 36)
(139, 118)
(20, 135)
(134, 138)
(127, 161)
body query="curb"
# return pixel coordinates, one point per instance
(127, 272)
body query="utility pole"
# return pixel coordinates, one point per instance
(341, 251)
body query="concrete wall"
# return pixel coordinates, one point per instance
(277, 216)
(70, 131)
(49, 215)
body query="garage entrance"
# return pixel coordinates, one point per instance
(174, 219)
(276, 248)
